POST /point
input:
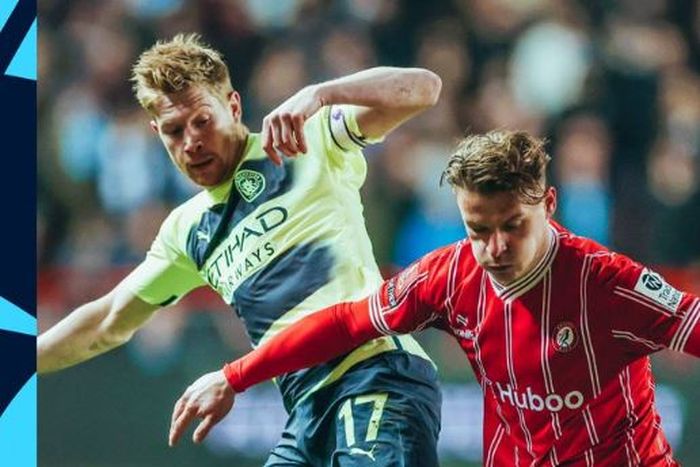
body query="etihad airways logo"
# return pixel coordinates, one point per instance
(529, 400)
(245, 250)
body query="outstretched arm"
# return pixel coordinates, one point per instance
(92, 329)
(386, 97)
(402, 304)
(315, 339)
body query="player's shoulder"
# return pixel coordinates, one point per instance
(577, 248)
(188, 211)
(595, 261)
(442, 257)
(452, 260)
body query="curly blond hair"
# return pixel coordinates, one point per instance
(500, 161)
(175, 65)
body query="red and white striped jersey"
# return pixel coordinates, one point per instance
(561, 354)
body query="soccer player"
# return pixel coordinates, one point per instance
(278, 238)
(557, 329)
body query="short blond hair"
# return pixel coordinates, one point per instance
(175, 65)
(500, 161)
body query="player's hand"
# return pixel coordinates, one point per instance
(209, 398)
(283, 128)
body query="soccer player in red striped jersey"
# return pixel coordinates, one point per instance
(557, 328)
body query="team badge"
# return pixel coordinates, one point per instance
(249, 184)
(565, 337)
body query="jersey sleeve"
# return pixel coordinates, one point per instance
(403, 304)
(335, 131)
(167, 273)
(644, 312)
(411, 300)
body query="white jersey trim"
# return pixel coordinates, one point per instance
(532, 278)
(688, 323)
(619, 334)
(585, 330)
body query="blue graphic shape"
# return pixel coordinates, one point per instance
(6, 8)
(18, 428)
(15, 319)
(23, 64)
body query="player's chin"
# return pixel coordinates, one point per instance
(504, 275)
(206, 177)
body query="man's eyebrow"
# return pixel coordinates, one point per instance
(514, 217)
(476, 225)
(168, 122)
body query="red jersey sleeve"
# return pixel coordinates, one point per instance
(644, 312)
(405, 303)
(413, 299)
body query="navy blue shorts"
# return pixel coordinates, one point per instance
(383, 412)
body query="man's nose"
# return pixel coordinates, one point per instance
(498, 244)
(193, 143)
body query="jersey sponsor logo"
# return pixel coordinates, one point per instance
(565, 337)
(531, 401)
(653, 286)
(249, 184)
(234, 262)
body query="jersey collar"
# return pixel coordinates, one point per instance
(532, 278)
(220, 192)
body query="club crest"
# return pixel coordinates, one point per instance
(565, 337)
(249, 184)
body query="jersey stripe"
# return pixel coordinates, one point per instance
(493, 448)
(481, 305)
(340, 132)
(585, 331)
(641, 299)
(634, 338)
(590, 425)
(452, 278)
(690, 320)
(544, 346)
(624, 378)
(508, 318)
(377, 312)
(553, 457)
(376, 317)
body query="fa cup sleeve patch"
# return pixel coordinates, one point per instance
(653, 286)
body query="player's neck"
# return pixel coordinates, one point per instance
(542, 248)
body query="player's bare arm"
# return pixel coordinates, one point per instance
(386, 97)
(92, 329)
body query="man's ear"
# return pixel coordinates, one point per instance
(234, 103)
(550, 201)
(154, 126)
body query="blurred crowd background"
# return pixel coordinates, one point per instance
(614, 85)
